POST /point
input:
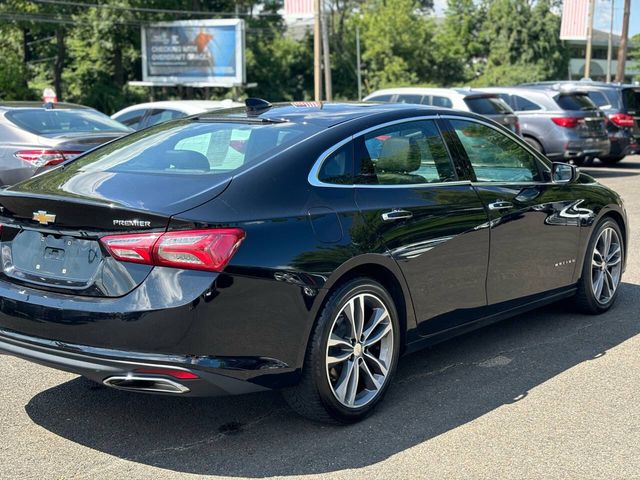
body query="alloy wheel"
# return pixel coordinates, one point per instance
(359, 350)
(606, 265)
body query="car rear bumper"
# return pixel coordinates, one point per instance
(131, 370)
(587, 147)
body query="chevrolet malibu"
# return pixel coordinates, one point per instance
(302, 247)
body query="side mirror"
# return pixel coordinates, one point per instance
(563, 172)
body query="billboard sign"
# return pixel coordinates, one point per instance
(199, 53)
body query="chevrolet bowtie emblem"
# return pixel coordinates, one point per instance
(43, 217)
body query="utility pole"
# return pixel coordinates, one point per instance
(317, 81)
(327, 57)
(622, 49)
(610, 44)
(587, 59)
(358, 69)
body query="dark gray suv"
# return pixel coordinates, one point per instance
(564, 125)
(621, 105)
(34, 136)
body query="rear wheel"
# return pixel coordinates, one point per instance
(352, 355)
(602, 269)
(534, 144)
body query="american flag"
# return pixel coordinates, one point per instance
(575, 14)
(298, 8)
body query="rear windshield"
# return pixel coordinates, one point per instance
(55, 122)
(487, 105)
(196, 148)
(575, 101)
(631, 100)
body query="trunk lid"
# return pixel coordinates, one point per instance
(52, 223)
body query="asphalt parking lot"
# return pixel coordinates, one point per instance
(549, 394)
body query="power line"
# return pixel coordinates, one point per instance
(70, 3)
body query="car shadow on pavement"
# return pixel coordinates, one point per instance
(435, 391)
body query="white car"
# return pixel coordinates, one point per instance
(146, 114)
(466, 99)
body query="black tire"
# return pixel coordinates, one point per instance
(585, 298)
(536, 145)
(612, 159)
(313, 397)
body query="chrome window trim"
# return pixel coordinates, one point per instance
(512, 135)
(315, 170)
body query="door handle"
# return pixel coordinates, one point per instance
(500, 205)
(396, 214)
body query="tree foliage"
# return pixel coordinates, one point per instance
(91, 52)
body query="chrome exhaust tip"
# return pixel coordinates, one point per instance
(138, 383)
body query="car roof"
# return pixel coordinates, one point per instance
(13, 105)
(558, 84)
(324, 114)
(462, 92)
(189, 107)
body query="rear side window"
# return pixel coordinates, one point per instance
(159, 116)
(599, 99)
(487, 105)
(524, 105)
(190, 147)
(132, 119)
(409, 99)
(338, 167)
(575, 102)
(55, 122)
(404, 154)
(439, 101)
(631, 100)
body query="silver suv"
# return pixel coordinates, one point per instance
(564, 125)
(34, 137)
(466, 99)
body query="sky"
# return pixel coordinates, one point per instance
(602, 16)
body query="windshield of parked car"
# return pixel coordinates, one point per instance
(575, 101)
(631, 100)
(487, 105)
(192, 147)
(55, 122)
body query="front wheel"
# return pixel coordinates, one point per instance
(602, 269)
(351, 357)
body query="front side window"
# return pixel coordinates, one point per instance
(408, 98)
(403, 154)
(439, 101)
(494, 156)
(381, 98)
(487, 105)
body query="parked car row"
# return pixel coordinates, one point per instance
(567, 121)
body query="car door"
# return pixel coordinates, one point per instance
(413, 201)
(534, 227)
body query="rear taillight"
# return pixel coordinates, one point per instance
(172, 372)
(190, 249)
(44, 157)
(566, 122)
(622, 120)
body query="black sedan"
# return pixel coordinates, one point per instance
(302, 247)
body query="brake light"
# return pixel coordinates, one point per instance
(189, 249)
(44, 157)
(566, 122)
(622, 119)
